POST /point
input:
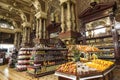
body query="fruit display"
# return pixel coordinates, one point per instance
(84, 51)
(76, 68)
(100, 65)
(69, 67)
(84, 48)
(83, 69)
(83, 59)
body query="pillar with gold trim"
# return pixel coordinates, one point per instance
(41, 27)
(68, 21)
(26, 34)
(17, 38)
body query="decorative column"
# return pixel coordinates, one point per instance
(18, 41)
(68, 21)
(23, 36)
(44, 29)
(68, 16)
(73, 17)
(41, 16)
(26, 33)
(62, 19)
(40, 28)
(37, 28)
(17, 38)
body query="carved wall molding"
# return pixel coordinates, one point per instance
(64, 1)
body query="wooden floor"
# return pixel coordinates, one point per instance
(11, 74)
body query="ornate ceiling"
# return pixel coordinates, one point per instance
(10, 9)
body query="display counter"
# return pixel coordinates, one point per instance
(105, 75)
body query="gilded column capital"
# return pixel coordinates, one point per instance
(26, 24)
(62, 19)
(17, 30)
(41, 14)
(64, 1)
(69, 23)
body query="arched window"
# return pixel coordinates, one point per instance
(5, 24)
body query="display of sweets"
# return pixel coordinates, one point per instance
(80, 68)
(83, 69)
(69, 67)
(100, 65)
(77, 68)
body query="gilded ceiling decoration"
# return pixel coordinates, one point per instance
(11, 9)
(53, 9)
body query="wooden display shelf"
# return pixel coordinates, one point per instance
(95, 76)
(23, 59)
(105, 47)
(23, 54)
(106, 57)
(21, 69)
(56, 55)
(94, 28)
(26, 49)
(54, 64)
(27, 63)
(99, 37)
(37, 62)
(52, 49)
(41, 74)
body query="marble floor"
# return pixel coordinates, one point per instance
(11, 74)
(116, 73)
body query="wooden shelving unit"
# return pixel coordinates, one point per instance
(100, 37)
(23, 59)
(95, 14)
(45, 61)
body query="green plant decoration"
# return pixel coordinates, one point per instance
(76, 53)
